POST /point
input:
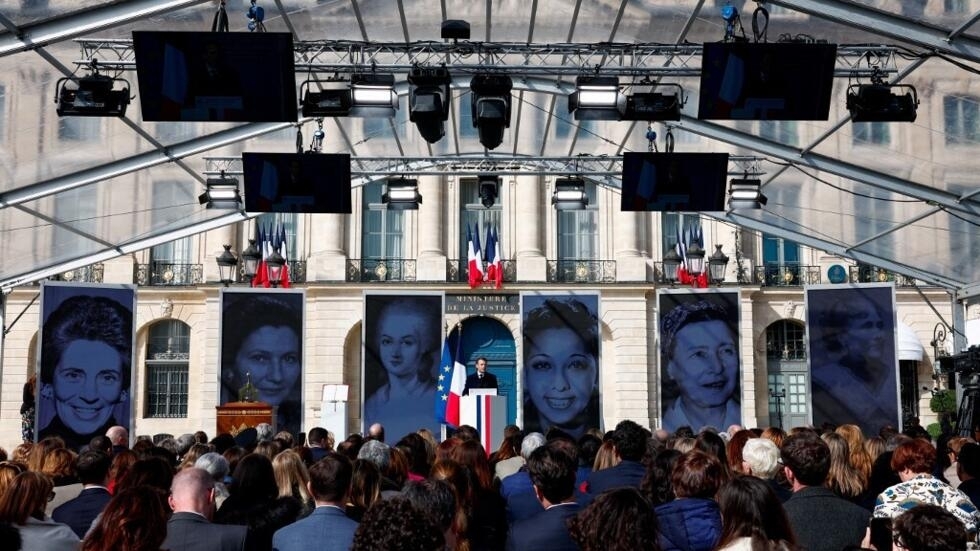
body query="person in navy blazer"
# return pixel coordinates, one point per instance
(327, 527)
(552, 468)
(92, 468)
(630, 443)
(480, 379)
(190, 527)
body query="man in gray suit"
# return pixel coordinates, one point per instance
(190, 527)
(821, 520)
(327, 527)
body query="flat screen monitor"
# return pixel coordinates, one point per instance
(762, 81)
(205, 76)
(674, 182)
(297, 182)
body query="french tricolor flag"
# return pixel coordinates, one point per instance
(452, 381)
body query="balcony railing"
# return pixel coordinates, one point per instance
(168, 274)
(85, 274)
(786, 275)
(388, 269)
(459, 270)
(873, 274)
(297, 271)
(581, 271)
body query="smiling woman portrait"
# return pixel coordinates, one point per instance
(561, 363)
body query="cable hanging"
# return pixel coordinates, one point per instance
(220, 22)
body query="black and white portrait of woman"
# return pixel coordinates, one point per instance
(86, 357)
(853, 358)
(262, 342)
(561, 362)
(699, 359)
(402, 349)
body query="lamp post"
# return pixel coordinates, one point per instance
(274, 265)
(717, 264)
(777, 396)
(695, 260)
(226, 265)
(251, 257)
(672, 261)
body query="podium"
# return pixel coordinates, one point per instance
(487, 412)
(234, 417)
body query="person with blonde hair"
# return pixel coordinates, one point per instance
(605, 457)
(59, 464)
(8, 471)
(23, 505)
(858, 457)
(843, 479)
(293, 479)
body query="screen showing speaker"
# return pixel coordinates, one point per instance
(297, 182)
(766, 81)
(674, 182)
(205, 76)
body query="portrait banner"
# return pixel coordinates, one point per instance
(402, 344)
(262, 343)
(853, 356)
(700, 359)
(85, 361)
(560, 359)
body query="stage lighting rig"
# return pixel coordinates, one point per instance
(325, 98)
(491, 107)
(94, 95)
(402, 194)
(489, 186)
(879, 102)
(595, 98)
(653, 106)
(429, 101)
(746, 193)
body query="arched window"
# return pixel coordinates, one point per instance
(167, 355)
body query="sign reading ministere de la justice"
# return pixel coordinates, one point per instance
(483, 304)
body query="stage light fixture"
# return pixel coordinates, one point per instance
(489, 186)
(402, 194)
(746, 193)
(221, 193)
(653, 106)
(92, 96)
(491, 107)
(429, 101)
(332, 98)
(456, 29)
(595, 99)
(570, 194)
(373, 95)
(878, 102)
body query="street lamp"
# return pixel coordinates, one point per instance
(251, 257)
(717, 264)
(695, 260)
(226, 265)
(274, 265)
(672, 261)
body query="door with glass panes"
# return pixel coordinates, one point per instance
(788, 382)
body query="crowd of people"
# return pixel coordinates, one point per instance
(627, 489)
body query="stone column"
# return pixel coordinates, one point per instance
(529, 226)
(432, 229)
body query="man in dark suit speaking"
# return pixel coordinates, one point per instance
(480, 379)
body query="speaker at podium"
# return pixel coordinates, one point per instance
(484, 410)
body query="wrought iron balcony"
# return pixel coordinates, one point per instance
(581, 271)
(168, 274)
(85, 274)
(786, 275)
(297, 271)
(459, 270)
(381, 270)
(864, 273)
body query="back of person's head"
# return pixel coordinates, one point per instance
(916, 455)
(268, 448)
(215, 464)
(969, 459)
(93, 467)
(254, 479)
(365, 486)
(397, 525)
(618, 520)
(184, 443)
(656, 485)
(26, 496)
(808, 457)
(377, 432)
(223, 442)
(734, 447)
(317, 436)
(292, 475)
(750, 508)
(100, 442)
(330, 478)
(697, 474)
(762, 457)
(191, 491)
(135, 518)
(929, 528)
(118, 435)
(630, 440)
(471, 456)
(284, 439)
(263, 432)
(59, 463)
(416, 451)
(8, 471)
(711, 443)
(165, 453)
(152, 471)
(530, 443)
(435, 497)
(376, 452)
(467, 432)
(588, 446)
(552, 471)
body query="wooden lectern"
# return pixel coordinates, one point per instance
(235, 417)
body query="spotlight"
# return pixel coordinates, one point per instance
(402, 194)
(489, 186)
(746, 194)
(373, 95)
(570, 194)
(328, 101)
(221, 193)
(491, 107)
(429, 100)
(456, 29)
(595, 98)
(878, 102)
(654, 106)
(92, 96)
